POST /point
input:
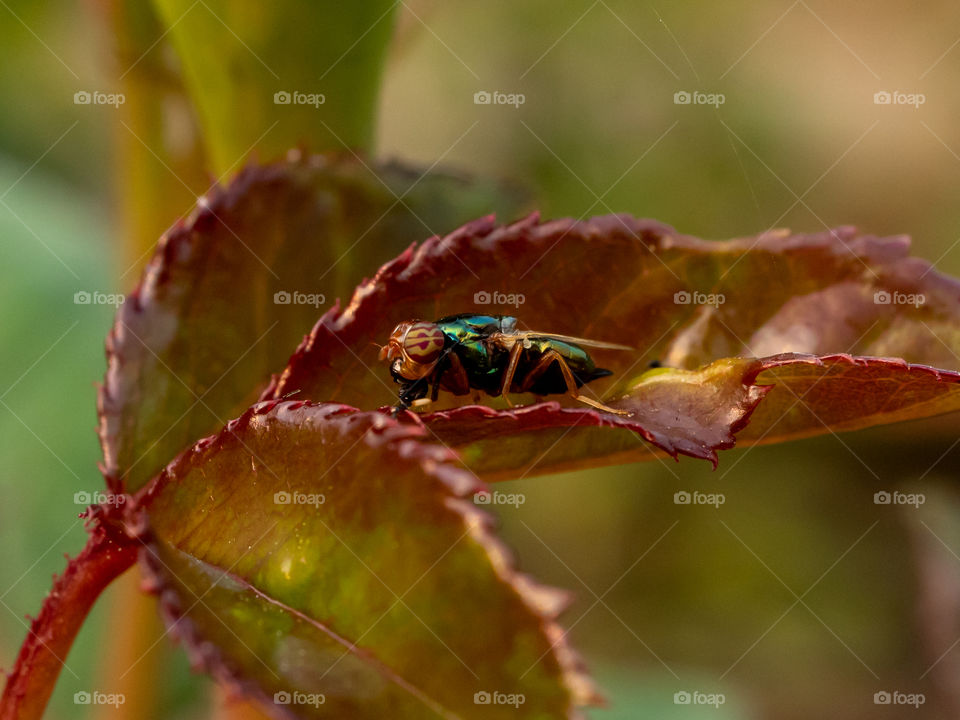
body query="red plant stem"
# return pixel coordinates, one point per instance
(108, 553)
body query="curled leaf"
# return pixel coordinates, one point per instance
(678, 300)
(739, 310)
(332, 559)
(693, 412)
(237, 284)
(757, 401)
(813, 395)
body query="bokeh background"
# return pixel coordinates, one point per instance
(798, 597)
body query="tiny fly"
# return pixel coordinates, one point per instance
(460, 353)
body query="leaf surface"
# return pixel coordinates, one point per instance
(334, 557)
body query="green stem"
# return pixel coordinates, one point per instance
(288, 74)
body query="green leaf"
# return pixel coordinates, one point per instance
(236, 57)
(193, 345)
(335, 558)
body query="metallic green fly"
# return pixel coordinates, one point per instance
(461, 353)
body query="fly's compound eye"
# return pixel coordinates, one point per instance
(423, 343)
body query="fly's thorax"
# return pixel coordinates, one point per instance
(467, 327)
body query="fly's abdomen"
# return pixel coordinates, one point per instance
(552, 381)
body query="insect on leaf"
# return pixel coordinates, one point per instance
(725, 318)
(234, 287)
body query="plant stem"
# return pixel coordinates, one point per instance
(135, 660)
(108, 553)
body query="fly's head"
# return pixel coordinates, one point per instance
(413, 350)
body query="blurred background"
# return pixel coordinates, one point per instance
(798, 596)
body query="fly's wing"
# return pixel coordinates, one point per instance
(586, 342)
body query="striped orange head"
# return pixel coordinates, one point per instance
(417, 345)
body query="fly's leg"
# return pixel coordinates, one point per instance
(511, 370)
(412, 393)
(455, 379)
(551, 356)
